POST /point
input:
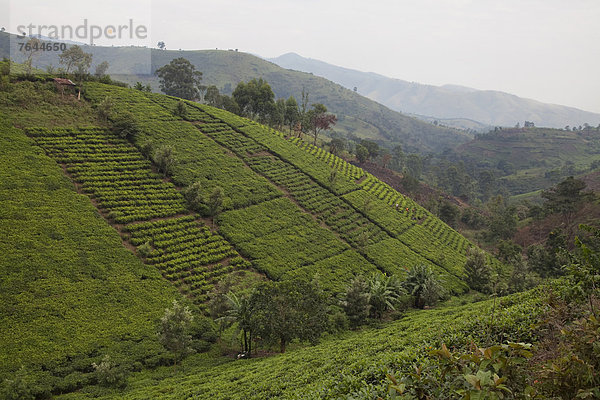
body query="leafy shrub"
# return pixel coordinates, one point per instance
(125, 124)
(147, 149)
(17, 388)
(105, 108)
(181, 110)
(422, 285)
(108, 373)
(174, 331)
(384, 293)
(478, 272)
(480, 373)
(164, 157)
(338, 320)
(356, 303)
(144, 250)
(203, 333)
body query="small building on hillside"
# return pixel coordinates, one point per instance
(63, 85)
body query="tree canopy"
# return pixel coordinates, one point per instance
(179, 78)
(283, 311)
(255, 99)
(320, 120)
(566, 196)
(74, 57)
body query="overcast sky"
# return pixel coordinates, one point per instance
(548, 50)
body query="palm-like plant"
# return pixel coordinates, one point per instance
(422, 284)
(385, 292)
(238, 314)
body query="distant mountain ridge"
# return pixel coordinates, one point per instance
(447, 102)
(358, 116)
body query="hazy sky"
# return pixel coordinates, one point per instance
(548, 50)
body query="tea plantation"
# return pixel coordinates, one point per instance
(98, 238)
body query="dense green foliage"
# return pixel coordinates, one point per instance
(70, 292)
(282, 207)
(283, 311)
(355, 365)
(180, 78)
(290, 241)
(360, 219)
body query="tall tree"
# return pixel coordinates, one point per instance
(320, 120)
(448, 212)
(75, 57)
(239, 313)
(31, 49)
(101, 69)
(212, 96)
(565, 198)
(255, 99)
(278, 115)
(356, 302)
(398, 158)
(503, 218)
(337, 146)
(477, 270)
(283, 311)
(372, 148)
(414, 165)
(362, 154)
(292, 114)
(421, 283)
(304, 118)
(179, 78)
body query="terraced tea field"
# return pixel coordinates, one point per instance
(121, 182)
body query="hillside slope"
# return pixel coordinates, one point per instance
(69, 291)
(529, 159)
(444, 103)
(353, 366)
(294, 220)
(357, 115)
(289, 210)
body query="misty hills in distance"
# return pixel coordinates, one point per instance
(451, 105)
(357, 115)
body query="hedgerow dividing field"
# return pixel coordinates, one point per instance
(199, 158)
(351, 225)
(279, 238)
(335, 162)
